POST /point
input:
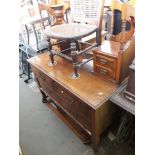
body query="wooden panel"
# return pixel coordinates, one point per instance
(102, 119)
(126, 57)
(66, 99)
(110, 48)
(105, 61)
(105, 72)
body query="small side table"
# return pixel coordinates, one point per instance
(119, 99)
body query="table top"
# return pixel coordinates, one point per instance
(119, 99)
(70, 31)
(110, 48)
(89, 87)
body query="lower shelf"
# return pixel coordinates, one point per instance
(81, 133)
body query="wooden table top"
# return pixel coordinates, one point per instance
(110, 48)
(90, 87)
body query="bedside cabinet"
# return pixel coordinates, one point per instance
(111, 62)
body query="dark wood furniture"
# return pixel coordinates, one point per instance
(112, 62)
(82, 103)
(119, 99)
(130, 90)
(85, 21)
(126, 128)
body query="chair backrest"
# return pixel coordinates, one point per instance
(122, 13)
(87, 11)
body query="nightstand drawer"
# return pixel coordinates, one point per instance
(106, 72)
(105, 61)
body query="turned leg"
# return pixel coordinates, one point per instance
(44, 97)
(51, 55)
(75, 60)
(28, 73)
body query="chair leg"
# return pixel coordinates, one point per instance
(74, 55)
(51, 55)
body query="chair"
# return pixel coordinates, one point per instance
(123, 21)
(86, 18)
(34, 21)
(117, 52)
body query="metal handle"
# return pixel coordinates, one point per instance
(103, 61)
(103, 71)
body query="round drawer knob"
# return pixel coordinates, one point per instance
(62, 91)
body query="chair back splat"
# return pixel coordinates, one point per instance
(88, 12)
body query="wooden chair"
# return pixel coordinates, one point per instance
(114, 56)
(123, 16)
(86, 18)
(33, 21)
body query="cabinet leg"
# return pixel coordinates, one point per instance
(44, 97)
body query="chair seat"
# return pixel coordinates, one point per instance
(70, 31)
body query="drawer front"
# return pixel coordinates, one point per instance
(105, 61)
(77, 108)
(72, 104)
(106, 72)
(45, 82)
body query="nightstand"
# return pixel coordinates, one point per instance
(111, 62)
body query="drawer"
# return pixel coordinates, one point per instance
(105, 61)
(72, 104)
(45, 82)
(106, 72)
(77, 108)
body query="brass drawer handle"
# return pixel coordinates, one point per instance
(42, 76)
(103, 61)
(103, 71)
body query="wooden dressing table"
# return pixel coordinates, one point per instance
(83, 103)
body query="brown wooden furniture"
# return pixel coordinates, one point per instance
(119, 98)
(85, 21)
(127, 15)
(82, 103)
(111, 62)
(130, 90)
